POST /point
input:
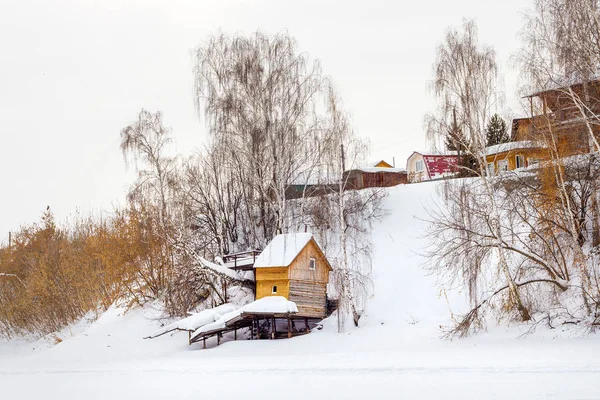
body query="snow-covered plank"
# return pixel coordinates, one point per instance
(220, 269)
(196, 320)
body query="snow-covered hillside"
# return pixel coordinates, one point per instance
(396, 353)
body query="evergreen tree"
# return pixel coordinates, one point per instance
(496, 131)
(456, 141)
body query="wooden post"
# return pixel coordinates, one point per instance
(189, 337)
(273, 328)
(218, 338)
(235, 334)
(257, 330)
(204, 343)
(289, 328)
(306, 324)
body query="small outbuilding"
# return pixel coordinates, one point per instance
(294, 266)
(376, 174)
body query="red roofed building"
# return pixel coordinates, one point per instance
(425, 166)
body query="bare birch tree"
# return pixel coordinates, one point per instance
(263, 102)
(464, 84)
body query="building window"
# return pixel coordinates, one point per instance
(419, 165)
(312, 264)
(520, 161)
(274, 289)
(502, 165)
(490, 169)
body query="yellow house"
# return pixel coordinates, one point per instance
(294, 266)
(513, 155)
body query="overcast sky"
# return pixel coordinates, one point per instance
(73, 73)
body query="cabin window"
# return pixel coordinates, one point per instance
(419, 165)
(274, 289)
(519, 161)
(502, 165)
(490, 168)
(312, 264)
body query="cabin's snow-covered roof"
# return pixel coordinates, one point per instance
(503, 147)
(282, 250)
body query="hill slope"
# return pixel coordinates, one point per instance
(396, 352)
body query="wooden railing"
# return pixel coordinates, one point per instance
(243, 255)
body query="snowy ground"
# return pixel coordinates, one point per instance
(397, 353)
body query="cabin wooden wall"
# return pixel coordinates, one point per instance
(299, 268)
(268, 277)
(310, 297)
(308, 288)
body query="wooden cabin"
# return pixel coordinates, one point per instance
(294, 266)
(513, 155)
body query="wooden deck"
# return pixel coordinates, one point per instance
(242, 261)
(262, 326)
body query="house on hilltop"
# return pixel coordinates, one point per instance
(376, 174)
(560, 120)
(294, 266)
(559, 131)
(425, 166)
